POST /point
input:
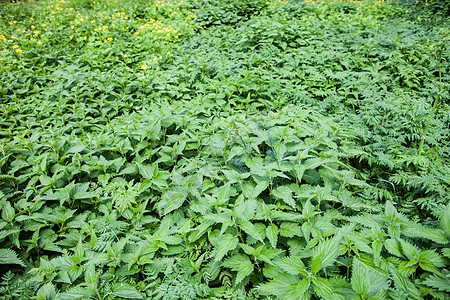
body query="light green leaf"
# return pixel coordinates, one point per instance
(439, 282)
(8, 256)
(47, 291)
(284, 192)
(8, 212)
(292, 265)
(240, 263)
(325, 253)
(279, 286)
(298, 291)
(393, 247)
(147, 171)
(225, 243)
(251, 230)
(409, 250)
(444, 220)
(289, 229)
(126, 291)
(174, 200)
(280, 150)
(272, 234)
(405, 285)
(75, 293)
(322, 286)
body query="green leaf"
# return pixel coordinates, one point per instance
(47, 291)
(8, 212)
(8, 256)
(325, 253)
(251, 230)
(76, 148)
(225, 243)
(126, 291)
(405, 285)
(444, 220)
(322, 286)
(409, 250)
(75, 293)
(280, 150)
(360, 279)
(284, 192)
(366, 281)
(292, 265)
(439, 282)
(289, 229)
(299, 291)
(279, 286)
(147, 171)
(171, 200)
(272, 234)
(393, 247)
(240, 263)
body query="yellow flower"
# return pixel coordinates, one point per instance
(85, 38)
(15, 46)
(39, 42)
(71, 37)
(144, 67)
(32, 27)
(18, 50)
(155, 58)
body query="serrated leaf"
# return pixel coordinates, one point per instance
(289, 229)
(322, 287)
(280, 150)
(75, 293)
(8, 212)
(444, 220)
(272, 234)
(225, 243)
(299, 291)
(291, 265)
(76, 148)
(279, 286)
(405, 285)
(8, 256)
(47, 291)
(240, 263)
(251, 230)
(409, 250)
(147, 171)
(393, 247)
(367, 281)
(284, 192)
(325, 253)
(439, 282)
(126, 291)
(171, 200)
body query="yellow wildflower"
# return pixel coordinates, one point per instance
(144, 67)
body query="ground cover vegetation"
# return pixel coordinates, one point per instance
(199, 149)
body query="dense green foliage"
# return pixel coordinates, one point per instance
(224, 150)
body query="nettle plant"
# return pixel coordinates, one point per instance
(267, 204)
(275, 154)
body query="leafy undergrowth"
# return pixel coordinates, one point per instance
(224, 150)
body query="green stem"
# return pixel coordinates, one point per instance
(433, 110)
